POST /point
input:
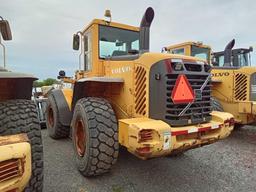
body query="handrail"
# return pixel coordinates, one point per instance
(3, 51)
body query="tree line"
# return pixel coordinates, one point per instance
(46, 82)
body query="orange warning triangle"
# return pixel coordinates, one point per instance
(182, 91)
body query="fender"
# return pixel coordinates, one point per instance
(93, 87)
(62, 100)
(15, 85)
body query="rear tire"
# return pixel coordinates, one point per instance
(20, 116)
(216, 105)
(95, 136)
(54, 127)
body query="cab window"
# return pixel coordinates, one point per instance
(243, 59)
(221, 61)
(87, 52)
(116, 42)
(200, 52)
(218, 60)
(178, 51)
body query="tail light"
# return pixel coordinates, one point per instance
(230, 122)
(145, 135)
(13, 190)
(10, 169)
(143, 151)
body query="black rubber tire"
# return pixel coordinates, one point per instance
(55, 130)
(101, 132)
(20, 116)
(238, 126)
(216, 105)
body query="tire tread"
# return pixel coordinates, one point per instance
(103, 133)
(20, 116)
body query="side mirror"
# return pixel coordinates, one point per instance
(76, 41)
(251, 48)
(5, 30)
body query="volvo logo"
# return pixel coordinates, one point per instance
(221, 74)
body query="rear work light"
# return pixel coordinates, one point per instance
(143, 151)
(10, 169)
(145, 135)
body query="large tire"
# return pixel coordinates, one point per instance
(20, 116)
(54, 127)
(216, 105)
(95, 136)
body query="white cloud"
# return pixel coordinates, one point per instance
(42, 29)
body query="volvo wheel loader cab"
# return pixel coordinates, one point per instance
(230, 57)
(190, 48)
(233, 79)
(153, 104)
(21, 150)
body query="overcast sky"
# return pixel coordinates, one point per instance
(43, 29)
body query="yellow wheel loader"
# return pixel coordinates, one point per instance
(233, 77)
(21, 149)
(153, 104)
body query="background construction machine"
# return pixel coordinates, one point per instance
(40, 98)
(239, 57)
(21, 149)
(153, 104)
(234, 80)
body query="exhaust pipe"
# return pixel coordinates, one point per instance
(145, 29)
(228, 53)
(6, 33)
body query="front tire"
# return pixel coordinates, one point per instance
(20, 116)
(95, 136)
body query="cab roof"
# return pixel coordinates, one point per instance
(112, 24)
(199, 44)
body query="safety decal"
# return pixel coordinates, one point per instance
(167, 140)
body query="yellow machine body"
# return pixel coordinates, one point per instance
(15, 162)
(125, 84)
(231, 86)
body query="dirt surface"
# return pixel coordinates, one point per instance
(229, 165)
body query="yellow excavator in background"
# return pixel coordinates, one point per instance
(233, 78)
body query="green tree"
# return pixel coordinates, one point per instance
(46, 82)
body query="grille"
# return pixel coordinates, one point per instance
(10, 169)
(140, 91)
(199, 111)
(241, 82)
(163, 76)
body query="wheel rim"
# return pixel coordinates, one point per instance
(80, 137)
(50, 117)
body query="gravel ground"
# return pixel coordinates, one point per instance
(229, 165)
